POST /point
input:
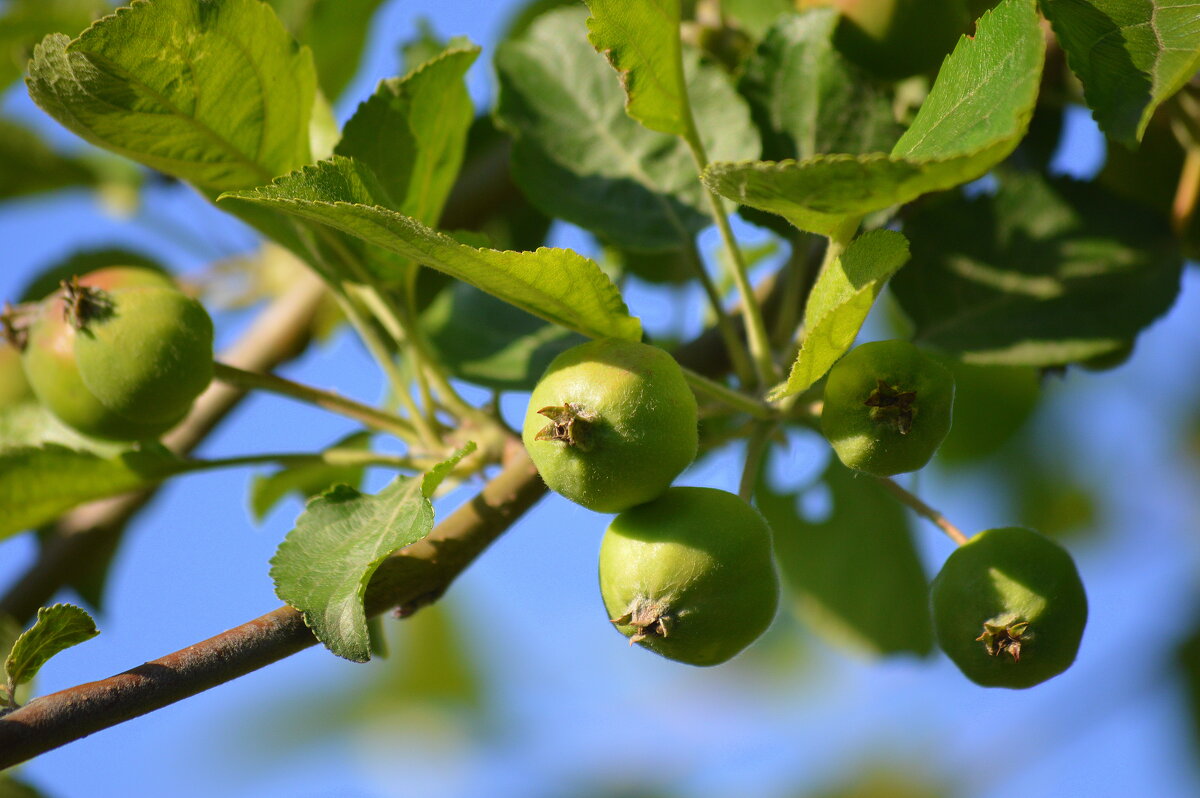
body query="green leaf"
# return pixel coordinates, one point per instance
(215, 93)
(1130, 55)
(1042, 274)
(323, 566)
(25, 22)
(38, 484)
(336, 32)
(578, 156)
(29, 166)
(490, 343)
(991, 405)
(412, 133)
(641, 41)
(57, 629)
(976, 113)
(808, 99)
(755, 17)
(307, 480)
(839, 303)
(556, 284)
(856, 575)
(12, 787)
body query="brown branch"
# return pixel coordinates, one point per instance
(924, 510)
(409, 579)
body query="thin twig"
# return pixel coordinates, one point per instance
(1183, 208)
(409, 579)
(728, 396)
(755, 447)
(923, 509)
(328, 400)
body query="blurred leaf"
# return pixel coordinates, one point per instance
(641, 41)
(974, 116)
(25, 22)
(755, 17)
(856, 576)
(1041, 274)
(412, 132)
(57, 628)
(324, 564)
(38, 484)
(885, 783)
(430, 672)
(556, 284)
(839, 303)
(808, 99)
(336, 32)
(578, 156)
(1151, 174)
(661, 267)
(29, 166)
(81, 262)
(1130, 56)
(266, 491)
(1053, 503)
(519, 22)
(491, 343)
(1187, 662)
(12, 787)
(991, 404)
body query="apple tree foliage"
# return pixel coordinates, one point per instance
(645, 125)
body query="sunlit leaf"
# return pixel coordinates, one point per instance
(323, 566)
(641, 41)
(217, 94)
(976, 113)
(57, 628)
(558, 285)
(412, 132)
(839, 303)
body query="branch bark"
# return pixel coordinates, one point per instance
(409, 579)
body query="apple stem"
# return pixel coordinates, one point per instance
(756, 446)
(924, 510)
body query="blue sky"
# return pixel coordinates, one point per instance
(568, 707)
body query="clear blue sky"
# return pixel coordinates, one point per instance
(568, 707)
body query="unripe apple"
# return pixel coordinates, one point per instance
(145, 347)
(887, 407)
(611, 424)
(1009, 608)
(690, 575)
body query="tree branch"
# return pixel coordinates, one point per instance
(409, 579)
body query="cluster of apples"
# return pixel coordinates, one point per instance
(689, 573)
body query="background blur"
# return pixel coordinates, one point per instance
(517, 686)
